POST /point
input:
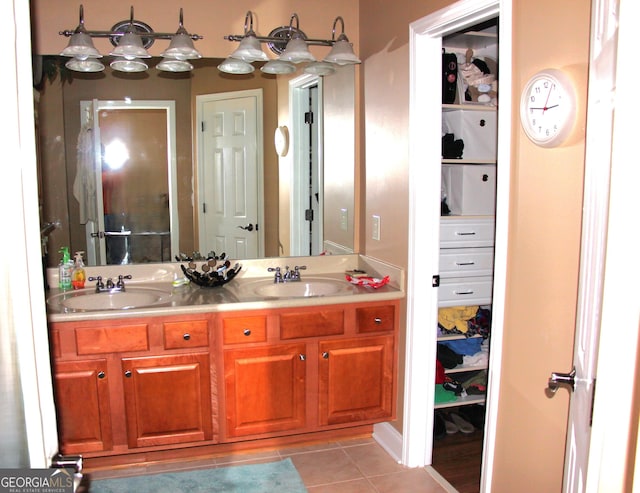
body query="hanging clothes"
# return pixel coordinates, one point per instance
(84, 184)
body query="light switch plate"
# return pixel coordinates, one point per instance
(375, 228)
(344, 219)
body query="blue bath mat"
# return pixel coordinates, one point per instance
(280, 476)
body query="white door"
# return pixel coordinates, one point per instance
(229, 174)
(596, 193)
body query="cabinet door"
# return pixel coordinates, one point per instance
(265, 389)
(167, 399)
(82, 403)
(356, 380)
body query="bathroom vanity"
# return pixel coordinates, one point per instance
(223, 366)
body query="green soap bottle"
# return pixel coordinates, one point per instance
(64, 269)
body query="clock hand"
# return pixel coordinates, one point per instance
(547, 101)
(544, 108)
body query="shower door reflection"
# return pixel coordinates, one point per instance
(135, 221)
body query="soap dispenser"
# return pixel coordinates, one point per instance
(64, 269)
(78, 275)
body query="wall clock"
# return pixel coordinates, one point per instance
(548, 108)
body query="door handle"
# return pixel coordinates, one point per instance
(557, 379)
(247, 228)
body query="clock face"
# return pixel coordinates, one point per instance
(547, 108)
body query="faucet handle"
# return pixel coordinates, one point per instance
(121, 279)
(300, 267)
(99, 283)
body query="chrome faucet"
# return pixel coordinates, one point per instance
(288, 276)
(109, 287)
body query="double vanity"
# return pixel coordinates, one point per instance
(165, 367)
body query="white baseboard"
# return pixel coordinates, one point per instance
(389, 439)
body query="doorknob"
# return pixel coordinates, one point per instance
(557, 379)
(247, 228)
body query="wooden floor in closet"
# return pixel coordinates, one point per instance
(458, 459)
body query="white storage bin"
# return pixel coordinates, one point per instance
(470, 188)
(477, 129)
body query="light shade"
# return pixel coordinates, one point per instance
(249, 49)
(297, 51)
(130, 46)
(122, 64)
(342, 53)
(86, 65)
(235, 66)
(181, 47)
(320, 68)
(278, 67)
(173, 65)
(81, 46)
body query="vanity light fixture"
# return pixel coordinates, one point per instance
(130, 39)
(291, 45)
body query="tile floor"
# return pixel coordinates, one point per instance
(350, 466)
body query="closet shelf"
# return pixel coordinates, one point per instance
(462, 401)
(463, 368)
(469, 161)
(469, 106)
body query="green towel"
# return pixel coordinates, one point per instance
(443, 395)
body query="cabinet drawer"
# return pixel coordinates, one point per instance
(186, 334)
(238, 330)
(465, 232)
(101, 340)
(465, 291)
(311, 324)
(375, 318)
(466, 262)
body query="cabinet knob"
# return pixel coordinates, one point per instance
(186, 336)
(101, 374)
(247, 332)
(303, 357)
(128, 373)
(325, 355)
(377, 320)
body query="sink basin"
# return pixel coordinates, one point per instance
(300, 289)
(89, 300)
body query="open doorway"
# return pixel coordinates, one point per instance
(425, 200)
(307, 197)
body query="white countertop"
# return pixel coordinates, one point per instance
(233, 296)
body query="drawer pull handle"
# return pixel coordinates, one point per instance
(463, 292)
(303, 357)
(247, 332)
(128, 374)
(465, 263)
(466, 233)
(101, 374)
(325, 355)
(186, 336)
(377, 320)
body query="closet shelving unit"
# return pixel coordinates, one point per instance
(467, 234)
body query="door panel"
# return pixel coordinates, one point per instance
(229, 173)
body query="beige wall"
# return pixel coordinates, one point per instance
(546, 194)
(212, 19)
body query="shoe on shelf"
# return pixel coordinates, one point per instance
(463, 425)
(474, 414)
(449, 426)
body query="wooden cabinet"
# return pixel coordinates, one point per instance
(123, 385)
(83, 407)
(355, 380)
(167, 399)
(312, 369)
(137, 385)
(265, 389)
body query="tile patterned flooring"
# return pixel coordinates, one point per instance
(349, 466)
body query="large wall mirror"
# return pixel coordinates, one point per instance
(182, 182)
